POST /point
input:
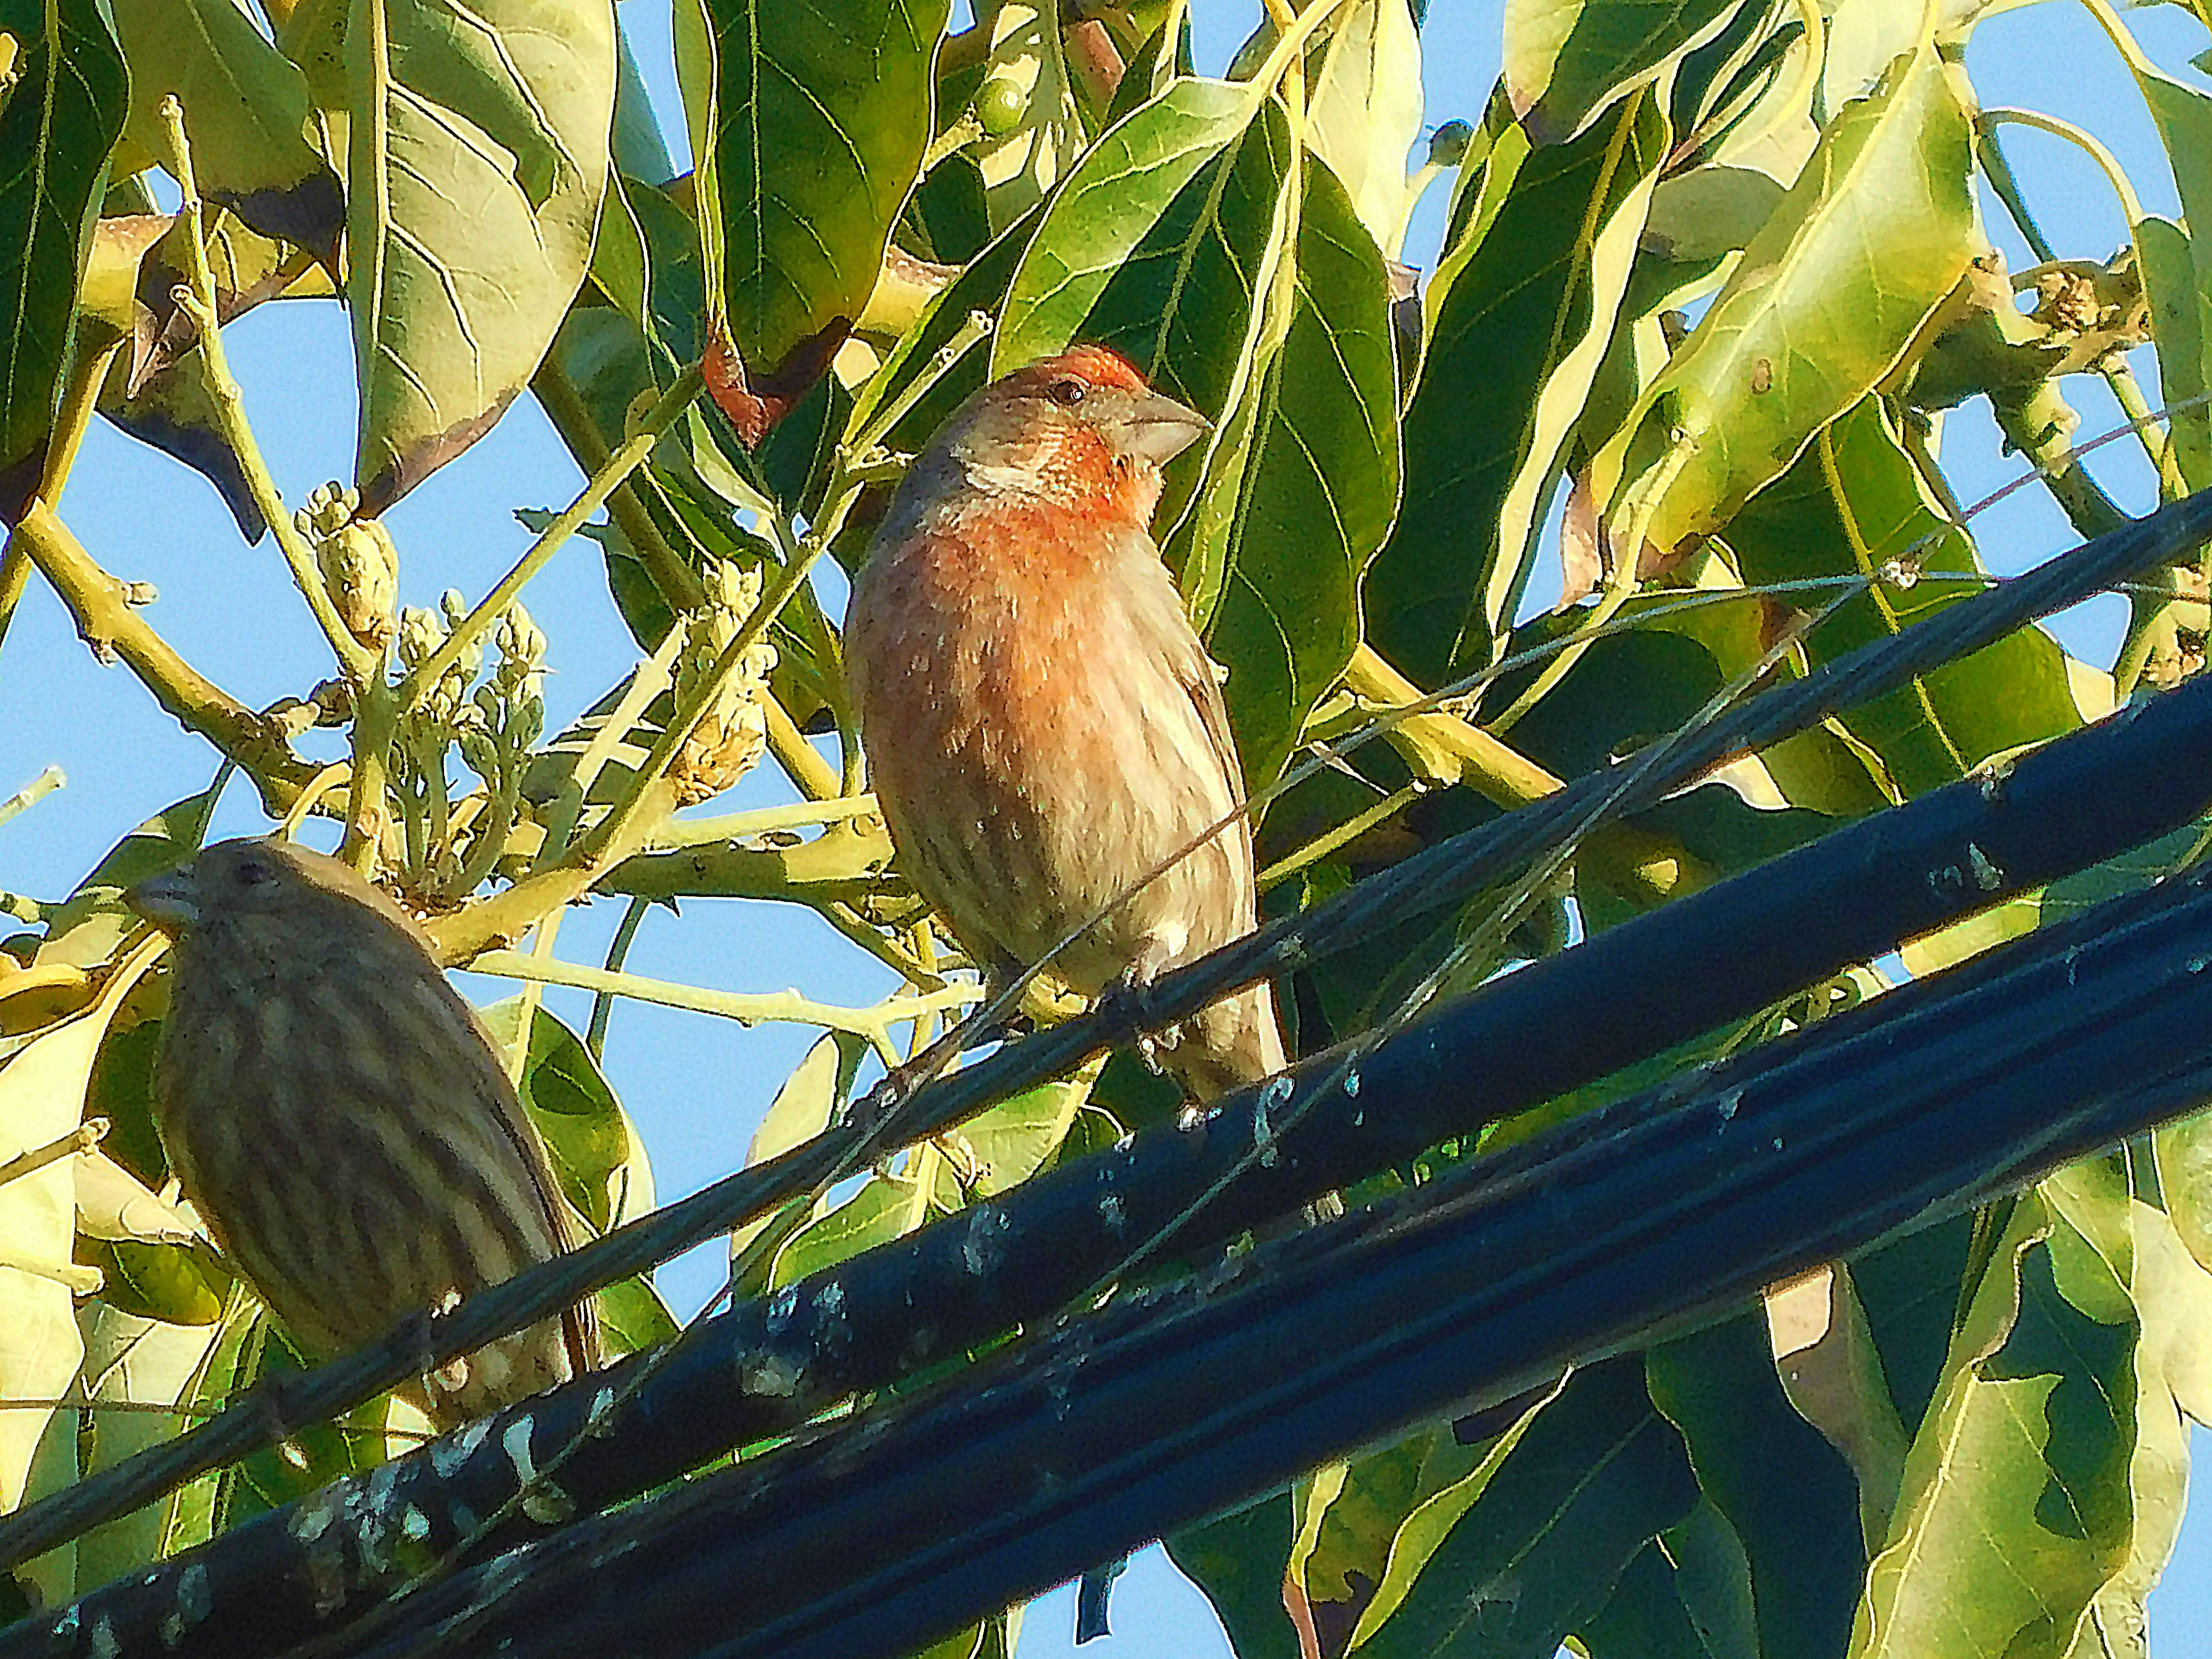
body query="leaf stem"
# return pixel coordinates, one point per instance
(199, 299)
(1342, 835)
(747, 1008)
(82, 1138)
(39, 787)
(603, 1004)
(620, 464)
(106, 622)
(735, 826)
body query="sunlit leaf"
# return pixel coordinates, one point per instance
(57, 122)
(1853, 502)
(1518, 318)
(1877, 229)
(1284, 538)
(809, 123)
(2015, 1509)
(477, 164)
(596, 1150)
(133, 1361)
(245, 115)
(1565, 59)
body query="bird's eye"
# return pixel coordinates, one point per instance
(250, 873)
(1068, 393)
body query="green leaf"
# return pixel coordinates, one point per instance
(1364, 110)
(1828, 297)
(1789, 1496)
(2184, 1173)
(596, 1150)
(1353, 1515)
(478, 161)
(2015, 1509)
(57, 122)
(884, 1209)
(313, 1456)
(42, 1091)
(2178, 261)
(88, 926)
(802, 1109)
(2115, 1201)
(245, 115)
(1853, 502)
(1314, 490)
(189, 1513)
(1168, 242)
(122, 1092)
(1594, 1475)
(2179, 303)
(1634, 688)
(129, 1360)
(1152, 244)
(1523, 306)
(809, 123)
(633, 1317)
(1647, 1617)
(1237, 1560)
(1364, 96)
(1969, 936)
(1567, 59)
(1006, 1145)
(154, 1281)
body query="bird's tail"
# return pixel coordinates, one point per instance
(1236, 1041)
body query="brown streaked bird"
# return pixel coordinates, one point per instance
(343, 1122)
(1042, 726)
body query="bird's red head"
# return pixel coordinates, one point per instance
(1079, 429)
(1097, 366)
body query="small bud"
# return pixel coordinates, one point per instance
(421, 634)
(732, 734)
(1449, 143)
(361, 568)
(1000, 104)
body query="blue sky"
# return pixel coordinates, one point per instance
(229, 607)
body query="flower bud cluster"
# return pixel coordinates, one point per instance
(495, 724)
(730, 736)
(507, 713)
(422, 632)
(360, 566)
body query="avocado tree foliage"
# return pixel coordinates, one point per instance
(1971, 1440)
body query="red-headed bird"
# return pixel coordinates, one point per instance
(1042, 726)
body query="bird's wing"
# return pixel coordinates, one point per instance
(568, 1229)
(1198, 676)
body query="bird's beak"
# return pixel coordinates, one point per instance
(170, 902)
(1157, 428)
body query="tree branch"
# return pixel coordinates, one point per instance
(107, 623)
(1644, 868)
